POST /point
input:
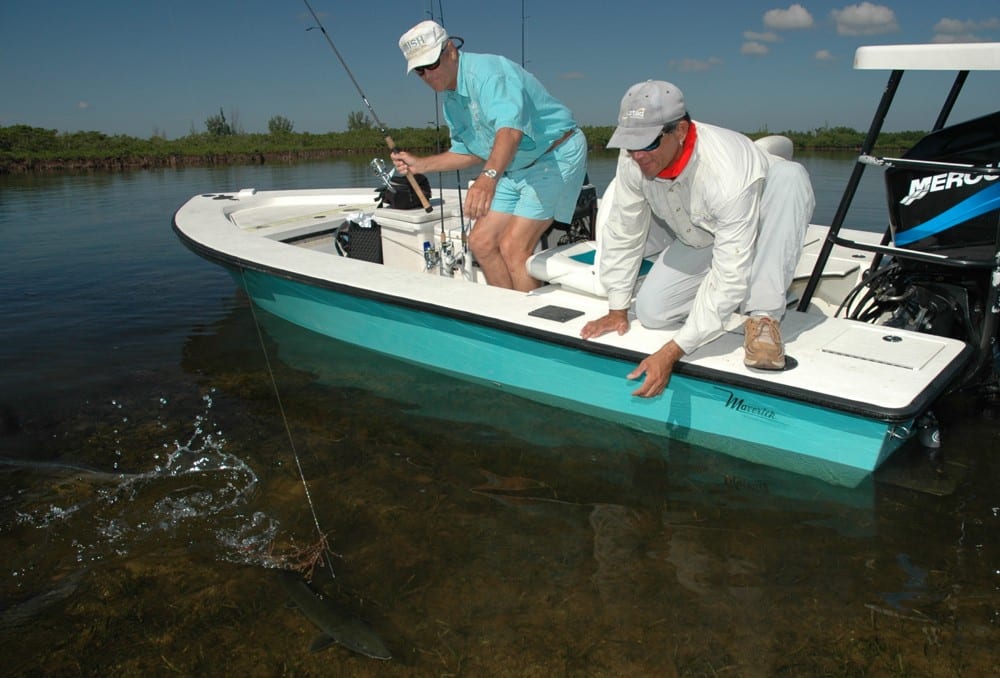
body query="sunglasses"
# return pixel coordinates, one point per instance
(419, 70)
(652, 147)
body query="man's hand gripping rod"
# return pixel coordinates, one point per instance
(381, 128)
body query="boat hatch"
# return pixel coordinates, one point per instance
(559, 314)
(881, 345)
(278, 219)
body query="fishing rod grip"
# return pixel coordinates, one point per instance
(409, 175)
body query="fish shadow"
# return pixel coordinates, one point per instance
(337, 619)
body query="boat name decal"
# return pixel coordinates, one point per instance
(738, 483)
(735, 402)
(920, 188)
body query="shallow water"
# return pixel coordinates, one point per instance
(149, 488)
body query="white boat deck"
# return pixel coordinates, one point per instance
(852, 365)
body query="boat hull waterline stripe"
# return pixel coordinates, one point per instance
(836, 447)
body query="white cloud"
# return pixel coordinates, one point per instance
(824, 55)
(83, 105)
(770, 36)
(955, 30)
(754, 48)
(796, 16)
(694, 65)
(865, 19)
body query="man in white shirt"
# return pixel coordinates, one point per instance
(736, 216)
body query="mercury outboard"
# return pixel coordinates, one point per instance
(943, 271)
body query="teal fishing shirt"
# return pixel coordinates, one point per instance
(493, 92)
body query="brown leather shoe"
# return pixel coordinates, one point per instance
(762, 344)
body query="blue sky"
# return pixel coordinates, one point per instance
(136, 67)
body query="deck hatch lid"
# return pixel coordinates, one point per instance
(883, 345)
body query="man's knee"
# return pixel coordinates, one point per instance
(519, 239)
(477, 243)
(646, 313)
(789, 181)
(511, 245)
(486, 235)
(653, 314)
(788, 173)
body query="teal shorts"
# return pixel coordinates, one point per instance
(549, 188)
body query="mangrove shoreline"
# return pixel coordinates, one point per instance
(28, 150)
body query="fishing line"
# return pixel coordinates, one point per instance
(381, 128)
(437, 141)
(288, 431)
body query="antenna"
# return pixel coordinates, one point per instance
(524, 20)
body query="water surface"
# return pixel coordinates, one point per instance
(149, 487)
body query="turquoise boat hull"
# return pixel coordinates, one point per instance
(838, 447)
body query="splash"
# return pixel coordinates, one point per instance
(196, 491)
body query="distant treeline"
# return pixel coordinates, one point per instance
(33, 149)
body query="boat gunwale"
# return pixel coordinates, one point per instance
(933, 390)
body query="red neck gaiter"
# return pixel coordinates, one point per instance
(674, 169)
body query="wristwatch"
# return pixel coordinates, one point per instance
(491, 173)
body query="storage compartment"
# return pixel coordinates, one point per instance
(407, 233)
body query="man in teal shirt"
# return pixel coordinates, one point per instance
(534, 156)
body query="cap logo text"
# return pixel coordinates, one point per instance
(414, 44)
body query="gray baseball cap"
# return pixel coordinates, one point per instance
(645, 109)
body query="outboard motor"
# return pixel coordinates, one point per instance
(944, 212)
(950, 213)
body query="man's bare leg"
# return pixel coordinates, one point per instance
(484, 241)
(517, 243)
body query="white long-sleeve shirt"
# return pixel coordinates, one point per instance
(714, 202)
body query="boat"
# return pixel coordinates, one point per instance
(342, 263)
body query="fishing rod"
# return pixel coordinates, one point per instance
(381, 128)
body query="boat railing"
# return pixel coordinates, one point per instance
(991, 321)
(902, 252)
(911, 163)
(865, 159)
(929, 257)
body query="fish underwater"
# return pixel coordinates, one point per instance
(337, 626)
(14, 617)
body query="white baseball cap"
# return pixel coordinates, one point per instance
(422, 44)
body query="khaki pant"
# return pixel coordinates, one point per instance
(786, 207)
